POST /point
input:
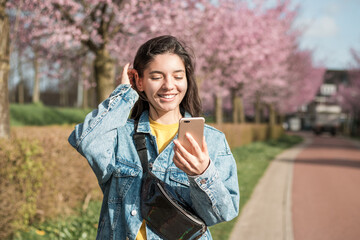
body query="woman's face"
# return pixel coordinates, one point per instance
(164, 83)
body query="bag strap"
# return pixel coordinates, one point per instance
(140, 144)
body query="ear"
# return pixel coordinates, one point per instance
(139, 83)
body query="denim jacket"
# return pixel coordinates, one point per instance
(105, 140)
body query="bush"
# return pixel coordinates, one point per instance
(80, 226)
(21, 175)
(64, 181)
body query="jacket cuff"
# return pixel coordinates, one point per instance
(205, 180)
(127, 93)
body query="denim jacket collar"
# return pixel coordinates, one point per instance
(144, 124)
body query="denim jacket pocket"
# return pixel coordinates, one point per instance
(180, 183)
(124, 175)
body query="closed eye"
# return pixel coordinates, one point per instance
(156, 77)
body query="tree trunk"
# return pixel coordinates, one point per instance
(241, 110)
(257, 110)
(36, 87)
(85, 90)
(21, 87)
(4, 72)
(281, 118)
(21, 92)
(218, 110)
(85, 102)
(80, 84)
(272, 121)
(235, 114)
(272, 115)
(104, 67)
(238, 109)
(64, 96)
(80, 93)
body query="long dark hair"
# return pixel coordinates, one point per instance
(161, 45)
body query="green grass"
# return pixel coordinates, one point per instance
(252, 161)
(40, 115)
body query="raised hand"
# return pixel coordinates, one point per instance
(129, 76)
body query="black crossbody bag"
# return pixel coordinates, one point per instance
(164, 211)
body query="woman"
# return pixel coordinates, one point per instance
(163, 80)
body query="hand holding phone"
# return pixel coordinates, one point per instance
(189, 157)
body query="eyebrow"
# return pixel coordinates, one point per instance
(159, 72)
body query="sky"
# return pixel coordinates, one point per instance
(331, 29)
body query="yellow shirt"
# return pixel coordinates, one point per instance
(164, 133)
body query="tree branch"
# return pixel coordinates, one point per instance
(92, 46)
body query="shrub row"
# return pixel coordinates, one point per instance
(41, 176)
(21, 176)
(242, 134)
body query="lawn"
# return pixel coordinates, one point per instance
(40, 115)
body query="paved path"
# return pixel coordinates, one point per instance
(309, 192)
(326, 191)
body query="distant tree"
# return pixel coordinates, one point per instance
(4, 71)
(348, 94)
(305, 80)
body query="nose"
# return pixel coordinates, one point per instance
(169, 82)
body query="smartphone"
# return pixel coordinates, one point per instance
(194, 126)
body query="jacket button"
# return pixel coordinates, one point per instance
(133, 212)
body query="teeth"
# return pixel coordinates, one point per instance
(167, 96)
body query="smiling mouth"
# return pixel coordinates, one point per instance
(167, 96)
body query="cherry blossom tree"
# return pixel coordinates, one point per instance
(101, 27)
(247, 53)
(348, 95)
(251, 53)
(305, 80)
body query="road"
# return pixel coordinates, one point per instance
(326, 190)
